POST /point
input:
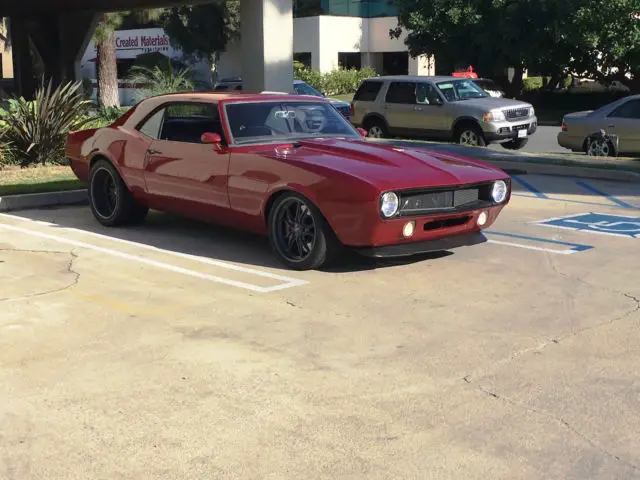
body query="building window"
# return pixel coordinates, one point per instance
(349, 8)
(350, 60)
(304, 58)
(395, 63)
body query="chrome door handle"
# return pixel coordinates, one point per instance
(611, 126)
(418, 109)
(151, 151)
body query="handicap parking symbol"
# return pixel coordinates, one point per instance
(597, 223)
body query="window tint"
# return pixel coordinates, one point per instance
(151, 128)
(368, 91)
(629, 109)
(186, 122)
(426, 94)
(401, 92)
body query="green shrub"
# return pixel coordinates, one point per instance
(159, 81)
(337, 82)
(312, 77)
(36, 131)
(533, 83)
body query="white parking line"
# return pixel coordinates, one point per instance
(531, 247)
(287, 282)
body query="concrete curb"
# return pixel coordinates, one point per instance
(37, 200)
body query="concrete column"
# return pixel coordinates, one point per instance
(422, 65)
(267, 44)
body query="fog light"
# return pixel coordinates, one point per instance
(482, 218)
(408, 229)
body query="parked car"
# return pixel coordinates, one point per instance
(288, 167)
(620, 118)
(299, 87)
(490, 87)
(441, 108)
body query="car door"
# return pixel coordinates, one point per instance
(178, 167)
(624, 121)
(399, 107)
(431, 117)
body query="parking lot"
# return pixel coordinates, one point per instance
(181, 350)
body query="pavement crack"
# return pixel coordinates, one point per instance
(69, 269)
(559, 420)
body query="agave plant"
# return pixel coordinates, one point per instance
(158, 81)
(36, 130)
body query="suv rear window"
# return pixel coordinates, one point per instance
(401, 92)
(368, 91)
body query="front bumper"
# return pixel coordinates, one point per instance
(414, 248)
(506, 131)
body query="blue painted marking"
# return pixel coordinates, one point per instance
(574, 201)
(593, 189)
(574, 246)
(598, 223)
(529, 187)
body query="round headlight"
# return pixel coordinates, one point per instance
(499, 191)
(389, 204)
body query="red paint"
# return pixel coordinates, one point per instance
(232, 184)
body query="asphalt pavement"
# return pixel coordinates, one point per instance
(178, 350)
(543, 141)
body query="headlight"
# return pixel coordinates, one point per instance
(532, 112)
(499, 191)
(389, 204)
(494, 116)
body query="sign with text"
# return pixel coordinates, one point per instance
(619, 225)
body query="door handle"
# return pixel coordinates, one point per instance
(611, 126)
(151, 151)
(418, 109)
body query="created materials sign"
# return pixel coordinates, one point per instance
(597, 223)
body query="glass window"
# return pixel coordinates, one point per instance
(368, 91)
(186, 122)
(302, 88)
(630, 109)
(401, 92)
(457, 90)
(151, 127)
(426, 94)
(276, 121)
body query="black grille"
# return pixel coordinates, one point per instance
(516, 113)
(421, 202)
(520, 127)
(446, 223)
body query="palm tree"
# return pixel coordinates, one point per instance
(104, 38)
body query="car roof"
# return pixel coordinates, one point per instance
(148, 105)
(418, 78)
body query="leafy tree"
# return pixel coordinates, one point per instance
(203, 31)
(104, 38)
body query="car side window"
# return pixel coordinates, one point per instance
(151, 127)
(426, 94)
(630, 109)
(401, 92)
(368, 91)
(186, 122)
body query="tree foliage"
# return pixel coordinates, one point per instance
(203, 31)
(557, 37)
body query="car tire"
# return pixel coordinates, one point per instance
(376, 128)
(299, 235)
(111, 201)
(515, 144)
(601, 149)
(470, 135)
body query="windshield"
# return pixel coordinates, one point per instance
(457, 90)
(305, 89)
(275, 121)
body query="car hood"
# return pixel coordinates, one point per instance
(339, 103)
(388, 167)
(490, 103)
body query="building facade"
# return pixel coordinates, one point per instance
(348, 33)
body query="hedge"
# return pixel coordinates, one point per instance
(337, 82)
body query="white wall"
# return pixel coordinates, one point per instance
(379, 40)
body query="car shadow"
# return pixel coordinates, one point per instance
(178, 234)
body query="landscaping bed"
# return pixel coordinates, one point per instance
(41, 179)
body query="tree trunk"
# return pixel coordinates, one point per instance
(108, 95)
(517, 83)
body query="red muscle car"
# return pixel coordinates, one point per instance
(287, 166)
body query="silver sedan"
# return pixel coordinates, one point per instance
(620, 119)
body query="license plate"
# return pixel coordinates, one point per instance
(522, 133)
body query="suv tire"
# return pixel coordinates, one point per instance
(470, 135)
(516, 144)
(375, 128)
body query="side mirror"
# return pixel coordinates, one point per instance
(437, 101)
(212, 139)
(362, 131)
